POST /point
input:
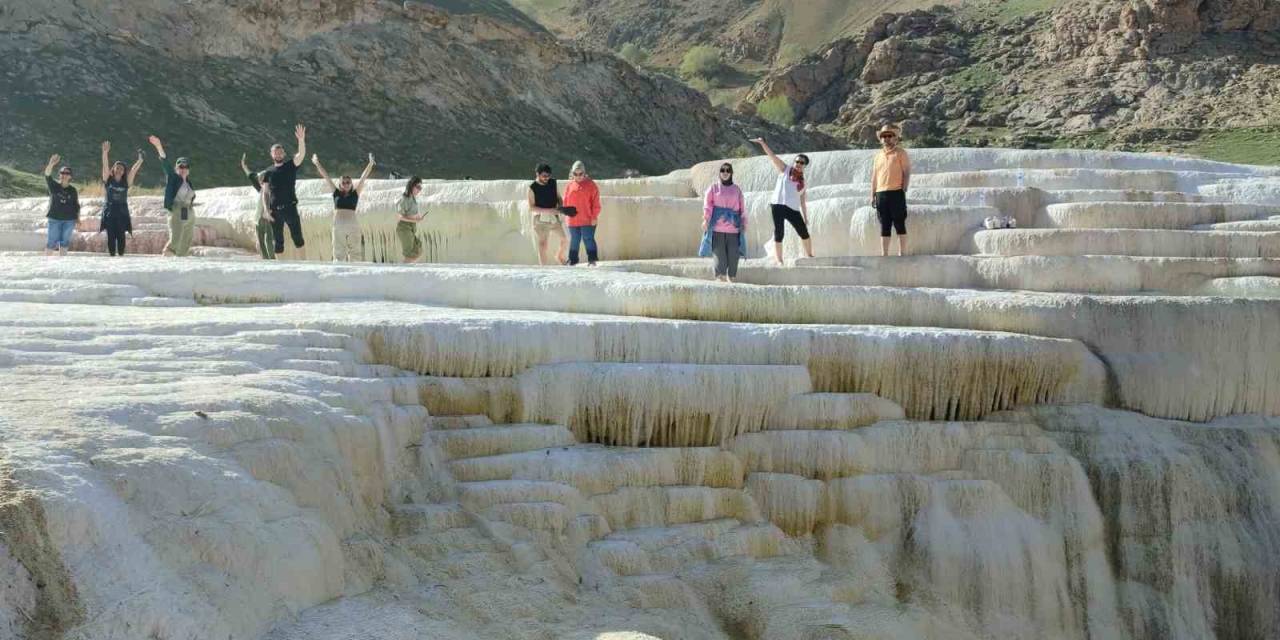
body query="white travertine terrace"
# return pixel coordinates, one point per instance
(1065, 430)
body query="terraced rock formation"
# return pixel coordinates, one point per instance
(1064, 430)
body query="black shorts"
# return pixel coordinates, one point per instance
(781, 213)
(286, 214)
(891, 208)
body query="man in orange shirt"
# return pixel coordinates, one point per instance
(890, 177)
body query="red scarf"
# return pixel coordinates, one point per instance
(797, 178)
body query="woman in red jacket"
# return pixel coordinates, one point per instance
(583, 195)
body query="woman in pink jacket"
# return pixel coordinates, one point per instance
(582, 194)
(724, 224)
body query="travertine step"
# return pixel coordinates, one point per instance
(494, 440)
(1150, 215)
(1120, 195)
(445, 423)
(1266, 224)
(640, 507)
(537, 516)
(478, 496)
(413, 519)
(674, 548)
(834, 411)
(595, 469)
(1074, 178)
(1131, 242)
(439, 545)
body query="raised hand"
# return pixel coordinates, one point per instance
(371, 159)
(106, 146)
(54, 159)
(759, 141)
(139, 155)
(244, 164)
(300, 132)
(315, 159)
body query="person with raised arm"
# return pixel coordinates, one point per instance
(64, 208)
(266, 235)
(346, 196)
(544, 208)
(179, 200)
(789, 203)
(407, 222)
(283, 176)
(116, 221)
(890, 178)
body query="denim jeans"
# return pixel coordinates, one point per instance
(586, 235)
(60, 233)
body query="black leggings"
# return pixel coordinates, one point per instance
(286, 214)
(115, 241)
(782, 212)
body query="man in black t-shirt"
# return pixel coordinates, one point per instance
(283, 177)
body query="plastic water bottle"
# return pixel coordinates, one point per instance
(1022, 178)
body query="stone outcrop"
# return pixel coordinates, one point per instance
(1136, 73)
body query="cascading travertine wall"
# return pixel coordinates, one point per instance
(1184, 358)
(1191, 514)
(618, 404)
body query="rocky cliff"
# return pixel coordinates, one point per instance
(1183, 75)
(454, 88)
(1144, 73)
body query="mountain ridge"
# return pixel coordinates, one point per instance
(468, 92)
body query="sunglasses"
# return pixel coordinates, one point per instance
(888, 136)
(802, 163)
(183, 166)
(64, 173)
(728, 171)
(578, 173)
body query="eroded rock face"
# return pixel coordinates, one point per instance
(1137, 73)
(478, 90)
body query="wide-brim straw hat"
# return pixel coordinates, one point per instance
(888, 128)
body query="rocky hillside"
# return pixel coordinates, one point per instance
(1186, 75)
(448, 88)
(1196, 76)
(750, 32)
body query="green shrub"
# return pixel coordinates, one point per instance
(701, 84)
(702, 61)
(631, 52)
(777, 110)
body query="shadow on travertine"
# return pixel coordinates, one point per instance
(946, 445)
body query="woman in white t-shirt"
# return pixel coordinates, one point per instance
(789, 202)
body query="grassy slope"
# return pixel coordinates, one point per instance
(1247, 146)
(18, 184)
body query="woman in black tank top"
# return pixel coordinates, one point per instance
(116, 221)
(347, 240)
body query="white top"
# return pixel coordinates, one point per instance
(786, 192)
(185, 195)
